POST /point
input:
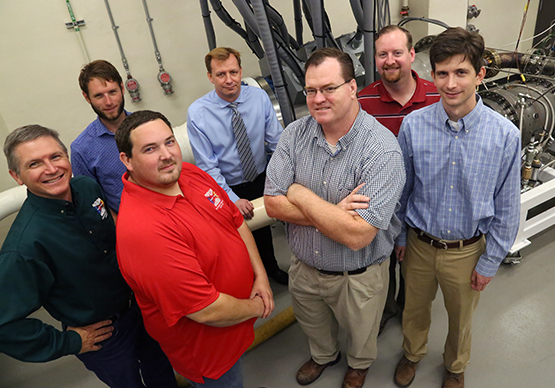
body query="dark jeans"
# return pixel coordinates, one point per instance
(129, 354)
(262, 236)
(233, 378)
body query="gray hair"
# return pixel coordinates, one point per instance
(23, 135)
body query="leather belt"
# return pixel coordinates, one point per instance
(436, 243)
(341, 273)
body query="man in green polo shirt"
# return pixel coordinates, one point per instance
(60, 254)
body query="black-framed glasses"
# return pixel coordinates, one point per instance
(328, 90)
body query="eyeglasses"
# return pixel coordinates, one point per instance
(328, 90)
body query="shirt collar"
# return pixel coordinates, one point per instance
(54, 205)
(100, 129)
(468, 121)
(223, 103)
(346, 139)
(418, 96)
(149, 196)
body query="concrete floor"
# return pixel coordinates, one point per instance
(513, 343)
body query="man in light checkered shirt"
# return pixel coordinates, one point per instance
(336, 178)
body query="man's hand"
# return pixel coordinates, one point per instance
(261, 288)
(354, 201)
(400, 252)
(93, 334)
(479, 282)
(246, 208)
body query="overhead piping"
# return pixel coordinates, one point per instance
(208, 26)
(273, 61)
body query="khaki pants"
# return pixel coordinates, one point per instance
(354, 302)
(424, 267)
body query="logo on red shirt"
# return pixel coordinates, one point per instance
(214, 198)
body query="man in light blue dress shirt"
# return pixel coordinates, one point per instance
(460, 206)
(209, 126)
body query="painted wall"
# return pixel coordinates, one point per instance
(40, 58)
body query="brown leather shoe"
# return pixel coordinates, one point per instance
(311, 370)
(405, 372)
(354, 378)
(453, 380)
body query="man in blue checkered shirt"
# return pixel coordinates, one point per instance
(335, 178)
(461, 203)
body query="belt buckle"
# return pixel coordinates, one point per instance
(440, 243)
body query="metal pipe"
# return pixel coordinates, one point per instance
(132, 85)
(369, 31)
(298, 21)
(208, 26)
(224, 16)
(75, 26)
(427, 20)
(317, 12)
(273, 62)
(11, 200)
(164, 77)
(285, 54)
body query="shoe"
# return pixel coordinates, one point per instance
(354, 378)
(453, 380)
(405, 372)
(280, 276)
(311, 370)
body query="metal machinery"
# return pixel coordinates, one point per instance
(521, 87)
(528, 100)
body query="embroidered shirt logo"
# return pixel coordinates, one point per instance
(214, 198)
(98, 204)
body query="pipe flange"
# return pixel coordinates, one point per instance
(492, 60)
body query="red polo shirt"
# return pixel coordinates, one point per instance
(178, 253)
(375, 100)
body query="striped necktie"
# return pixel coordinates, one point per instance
(243, 144)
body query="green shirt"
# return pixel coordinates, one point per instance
(60, 255)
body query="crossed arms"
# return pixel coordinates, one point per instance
(340, 222)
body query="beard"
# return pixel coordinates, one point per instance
(391, 77)
(105, 117)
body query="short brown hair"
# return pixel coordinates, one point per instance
(391, 28)
(23, 135)
(220, 54)
(344, 59)
(123, 133)
(456, 41)
(98, 69)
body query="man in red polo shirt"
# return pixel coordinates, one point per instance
(188, 255)
(398, 92)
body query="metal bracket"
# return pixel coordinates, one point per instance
(78, 23)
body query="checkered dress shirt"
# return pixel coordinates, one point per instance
(368, 153)
(462, 183)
